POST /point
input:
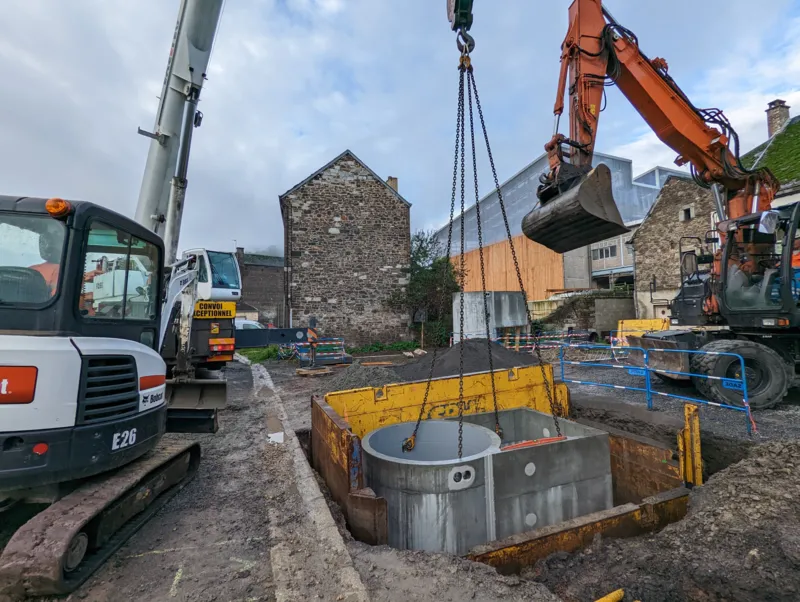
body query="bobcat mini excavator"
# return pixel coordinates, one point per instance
(747, 301)
(98, 354)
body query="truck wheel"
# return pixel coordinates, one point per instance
(767, 374)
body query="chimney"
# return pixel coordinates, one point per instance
(392, 182)
(777, 116)
(239, 254)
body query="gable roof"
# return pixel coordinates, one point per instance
(781, 154)
(336, 160)
(672, 184)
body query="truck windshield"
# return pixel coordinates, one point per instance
(224, 272)
(31, 255)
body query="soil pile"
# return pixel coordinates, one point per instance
(740, 541)
(358, 377)
(476, 359)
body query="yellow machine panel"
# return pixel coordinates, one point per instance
(215, 310)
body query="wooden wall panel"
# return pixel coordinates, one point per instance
(541, 268)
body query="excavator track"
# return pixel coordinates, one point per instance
(59, 548)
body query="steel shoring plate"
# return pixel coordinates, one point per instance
(32, 563)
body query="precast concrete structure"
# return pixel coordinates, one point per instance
(439, 503)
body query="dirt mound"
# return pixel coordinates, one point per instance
(358, 376)
(740, 541)
(476, 359)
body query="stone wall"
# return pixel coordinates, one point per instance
(348, 242)
(682, 209)
(262, 284)
(599, 311)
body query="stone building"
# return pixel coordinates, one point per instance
(262, 287)
(347, 244)
(683, 209)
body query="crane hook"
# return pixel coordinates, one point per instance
(464, 41)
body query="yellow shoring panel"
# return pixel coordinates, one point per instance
(371, 408)
(689, 451)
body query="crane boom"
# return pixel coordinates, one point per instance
(160, 205)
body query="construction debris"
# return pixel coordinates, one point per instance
(739, 542)
(476, 359)
(358, 376)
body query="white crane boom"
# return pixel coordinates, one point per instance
(160, 205)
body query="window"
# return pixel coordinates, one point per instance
(224, 273)
(752, 270)
(686, 214)
(120, 276)
(31, 251)
(612, 251)
(596, 254)
(202, 270)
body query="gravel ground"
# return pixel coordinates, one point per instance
(739, 542)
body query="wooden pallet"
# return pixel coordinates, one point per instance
(316, 371)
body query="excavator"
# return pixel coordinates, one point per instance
(106, 341)
(745, 302)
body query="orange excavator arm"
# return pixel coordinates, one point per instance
(598, 51)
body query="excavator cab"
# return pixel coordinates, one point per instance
(576, 209)
(760, 270)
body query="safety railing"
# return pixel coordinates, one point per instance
(646, 370)
(328, 348)
(525, 342)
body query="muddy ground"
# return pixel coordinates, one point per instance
(739, 542)
(212, 541)
(241, 531)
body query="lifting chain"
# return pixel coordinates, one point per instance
(497, 428)
(465, 45)
(409, 443)
(554, 411)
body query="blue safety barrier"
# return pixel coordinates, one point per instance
(645, 371)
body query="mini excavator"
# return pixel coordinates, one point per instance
(99, 352)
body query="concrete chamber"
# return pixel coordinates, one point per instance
(435, 502)
(438, 503)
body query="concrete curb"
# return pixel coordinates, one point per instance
(284, 564)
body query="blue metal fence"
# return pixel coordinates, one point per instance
(646, 371)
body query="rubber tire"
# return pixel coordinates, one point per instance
(716, 365)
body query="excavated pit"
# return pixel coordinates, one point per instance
(437, 502)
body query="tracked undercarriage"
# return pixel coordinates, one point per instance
(59, 548)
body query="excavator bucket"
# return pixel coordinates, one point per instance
(193, 404)
(580, 216)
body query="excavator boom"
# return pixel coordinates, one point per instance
(578, 208)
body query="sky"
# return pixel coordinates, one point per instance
(293, 83)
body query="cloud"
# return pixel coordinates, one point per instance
(292, 83)
(741, 86)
